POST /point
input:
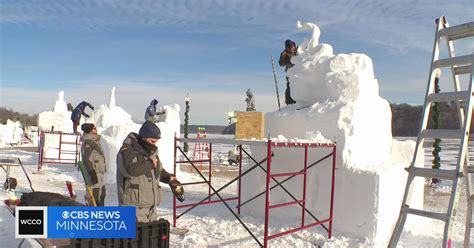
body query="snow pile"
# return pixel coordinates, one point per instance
(110, 115)
(10, 133)
(59, 119)
(337, 98)
(115, 124)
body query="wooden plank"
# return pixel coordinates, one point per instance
(250, 125)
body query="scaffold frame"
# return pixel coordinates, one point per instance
(268, 160)
(42, 159)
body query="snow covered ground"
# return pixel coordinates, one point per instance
(214, 226)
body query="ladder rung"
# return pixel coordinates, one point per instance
(461, 60)
(466, 69)
(443, 133)
(427, 214)
(434, 173)
(449, 96)
(458, 31)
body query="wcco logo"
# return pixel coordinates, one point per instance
(31, 222)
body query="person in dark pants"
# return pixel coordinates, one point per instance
(77, 114)
(139, 173)
(285, 60)
(94, 161)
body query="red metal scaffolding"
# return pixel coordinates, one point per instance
(269, 177)
(67, 149)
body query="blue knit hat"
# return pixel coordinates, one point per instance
(150, 130)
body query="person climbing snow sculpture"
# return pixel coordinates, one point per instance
(285, 60)
(250, 101)
(77, 114)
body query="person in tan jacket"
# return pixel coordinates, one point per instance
(94, 161)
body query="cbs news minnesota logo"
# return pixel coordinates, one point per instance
(31, 222)
(75, 222)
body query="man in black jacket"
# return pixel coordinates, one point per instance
(139, 172)
(285, 60)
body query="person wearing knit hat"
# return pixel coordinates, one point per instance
(87, 127)
(139, 172)
(94, 160)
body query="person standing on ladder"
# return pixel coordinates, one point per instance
(151, 113)
(285, 60)
(77, 114)
(94, 161)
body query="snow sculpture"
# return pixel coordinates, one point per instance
(337, 97)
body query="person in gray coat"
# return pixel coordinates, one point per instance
(150, 112)
(94, 161)
(139, 173)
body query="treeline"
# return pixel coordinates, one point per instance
(26, 119)
(406, 118)
(209, 128)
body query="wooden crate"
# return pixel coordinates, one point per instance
(250, 125)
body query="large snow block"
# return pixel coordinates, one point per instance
(56, 121)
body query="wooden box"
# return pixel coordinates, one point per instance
(250, 125)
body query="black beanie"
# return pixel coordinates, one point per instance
(150, 130)
(87, 127)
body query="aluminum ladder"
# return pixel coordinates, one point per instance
(464, 100)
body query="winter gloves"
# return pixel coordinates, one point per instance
(177, 189)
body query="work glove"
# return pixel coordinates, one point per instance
(177, 189)
(93, 177)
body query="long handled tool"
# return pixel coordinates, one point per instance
(85, 174)
(26, 174)
(276, 83)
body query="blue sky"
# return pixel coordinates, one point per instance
(214, 50)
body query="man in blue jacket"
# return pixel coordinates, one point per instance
(78, 112)
(150, 112)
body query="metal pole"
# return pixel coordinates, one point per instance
(210, 169)
(40, 151)
(60, 142)
(174, 171)
(240, 181)
(332, 191)
(267, 193)
(304, 184)
(276, 83)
